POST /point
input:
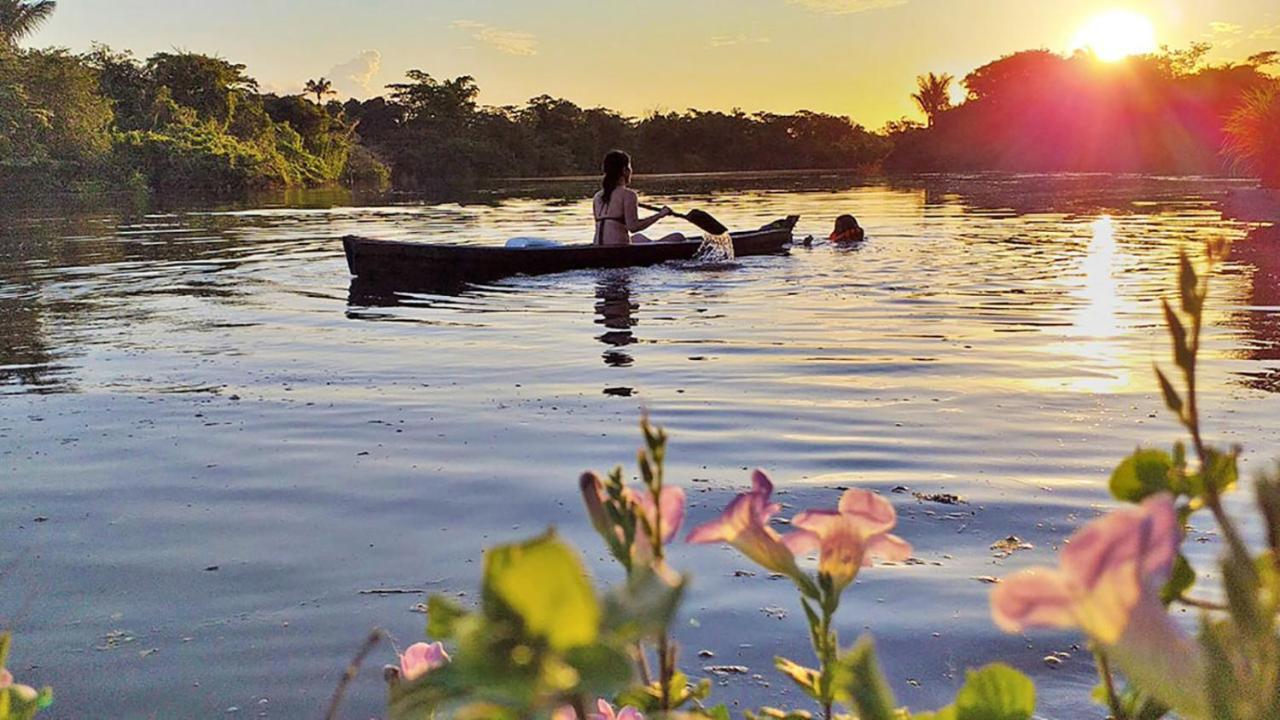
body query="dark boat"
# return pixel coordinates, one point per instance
(408, 264)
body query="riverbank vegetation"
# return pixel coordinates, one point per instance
(180, 121)
(1037, 111)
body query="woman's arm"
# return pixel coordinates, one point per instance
(631, 211)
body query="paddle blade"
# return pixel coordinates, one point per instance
(705, 222)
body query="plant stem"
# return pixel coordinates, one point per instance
(1197, 603)
(1104, 672)
(642, 663)
(825, 648)
(353, 669)
(1212, 496)
(666, 669)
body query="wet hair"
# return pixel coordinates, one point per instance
(847, 230)
(845, 223)
(615, 164)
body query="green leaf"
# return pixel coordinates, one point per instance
(1171, 397)
(1144, 473)
(1267, 492)
(860, 683)
(996, 692)
(602, 670)
(719, 712)
(1220, 470)
(1181, 578)
(544, 582)
(1181, 351)
(806, 678)
(1224, 690)
(644, 607)
(1188, 285)
(1241, 582)
(442, 617)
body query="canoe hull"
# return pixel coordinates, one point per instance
(384, 261)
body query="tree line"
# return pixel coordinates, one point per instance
(1037, 111)
(188, 121)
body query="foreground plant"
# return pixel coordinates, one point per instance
(1120, 572)
(846, 539)
(544, 644)
(17, 701)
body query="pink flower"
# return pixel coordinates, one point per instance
(606, 712)
(26, 693)
(744, 524)
(421, 658)
(671, 517)
(848, 536)
(1108, 584)
(593, 496)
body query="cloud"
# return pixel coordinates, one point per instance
(846, 7)
(354, 77)
(739, 39)
(511, 42)
(1224, 34)
(1266, 33)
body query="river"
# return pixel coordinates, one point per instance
(210, 446)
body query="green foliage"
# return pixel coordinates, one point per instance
(201, 156)
(1142, 474)
(209, 85)
(50, 108)
(860, 683)
(1253, 135)
(20, 18)
(1038, 111)
(17, 701)
(182, 121)
(537, 642)
(543, 582)
(934, 95)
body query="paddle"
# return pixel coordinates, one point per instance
(702, 219)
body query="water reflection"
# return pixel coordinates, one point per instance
(1260, 320)
(616, 312)
(1094, 341)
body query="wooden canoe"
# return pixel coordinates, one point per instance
(410, 263)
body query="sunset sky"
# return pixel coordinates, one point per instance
(850, 57)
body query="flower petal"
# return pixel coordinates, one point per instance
(724, 528)
(673, 504)
(1145, 537)
(801, 542)
(421, 658)
(592, 488)
(1038, 597)
(888, 547)
(876, 513)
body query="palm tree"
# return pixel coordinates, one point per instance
(1253, 136)
(934, 95)
(20, 18)
(320, 88)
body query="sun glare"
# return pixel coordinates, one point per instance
(1116, 34)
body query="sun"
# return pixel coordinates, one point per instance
(1116, 34)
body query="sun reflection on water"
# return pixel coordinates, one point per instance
(1094, 337)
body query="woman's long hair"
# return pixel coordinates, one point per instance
(615, 164)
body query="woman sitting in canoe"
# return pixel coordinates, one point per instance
(616, 207)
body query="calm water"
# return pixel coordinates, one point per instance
(183, 390)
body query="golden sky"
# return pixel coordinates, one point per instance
(850, 57)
